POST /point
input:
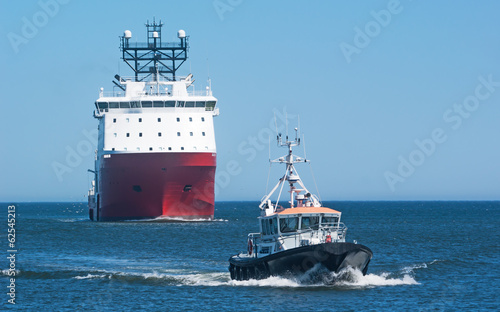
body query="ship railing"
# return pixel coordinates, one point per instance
(113, 94)
(153, 45)
(316, 235)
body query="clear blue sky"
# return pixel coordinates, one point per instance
(367, 78)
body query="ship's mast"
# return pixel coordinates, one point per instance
(154, 58)
(291, 176)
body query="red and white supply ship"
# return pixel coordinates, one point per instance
(156, 154)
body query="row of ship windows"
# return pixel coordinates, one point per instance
(159, 148)
(159, 134)
(209, 105)
(159, 119)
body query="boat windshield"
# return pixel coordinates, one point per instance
(310, 223)
(329, 221)
(289, 224)
(269, 226)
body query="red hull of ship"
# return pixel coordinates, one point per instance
(151, 185)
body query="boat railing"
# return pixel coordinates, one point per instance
(114, 94)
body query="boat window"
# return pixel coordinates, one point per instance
(265, 227)
(158, 104)
(135, 104)
(310, 223)
(189, 104)
(200, 104)
(170, 104)
(180, 104)
(273, 226)
(102, 105)
(114, 105)
(124, 104)
(210, 106)
(330, 221)
(288, 225)
(147, 104)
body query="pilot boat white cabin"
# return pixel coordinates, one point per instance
(296, 227)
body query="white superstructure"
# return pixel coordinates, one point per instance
(158, 116)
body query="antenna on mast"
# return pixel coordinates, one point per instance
(286, 125)
(154, 58)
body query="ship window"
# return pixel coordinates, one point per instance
(150, 148)
(158, 104)
(203, 133)
(160, 148)
(138, 148)
(170, 104)
(113, 149)
(200, 104)
(102, 105)
(128, 134)
(159, 119)
(114, 120)
(265, 227)
(178, 119)
(124, 148)
(194, 147)
(140, 119)
(288, 225)
(189, 104)
(159, 133)
(182, 148)
(169, 148)
(127, 120)
(124, 104)
(147, 104)
(114, 105)
(329, 221)
(310, 223)
(206, 147)
(203, 119)
(178, 134)
(135, 104)
(140, 134)
(180, 104)
(273, 227)
(190, 133)
(210, 106)
(190, 119)
(115, 134)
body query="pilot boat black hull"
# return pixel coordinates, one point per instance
(296, 261)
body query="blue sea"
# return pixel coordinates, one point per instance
(428, 256)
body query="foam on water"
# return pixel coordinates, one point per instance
(316, 277)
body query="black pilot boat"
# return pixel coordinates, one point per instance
(294, 240)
